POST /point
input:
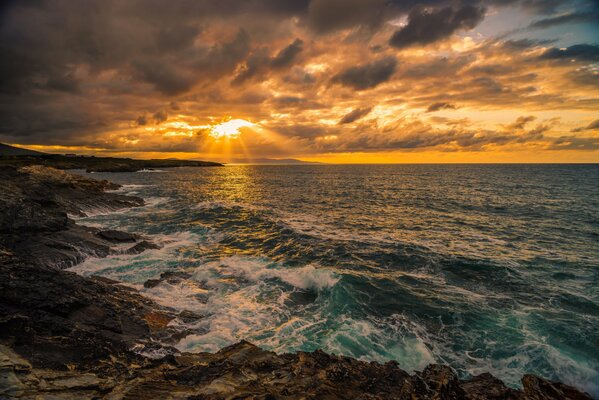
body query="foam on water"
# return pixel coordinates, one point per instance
(137, 268)
(256, 269)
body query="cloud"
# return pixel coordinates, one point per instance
(164, 77)
(426, 26)
(521, 122)
(255, 65)
(142, 120)
(354, 115)
(440, 106)
(575, 143)
(592, 126)
(581, 52)
(160, 116)
(524, 44)
(133, 74)
(325, 16)
(575, 17)
(368, 75)
(437, 67)
(260, 63)
(287, 56)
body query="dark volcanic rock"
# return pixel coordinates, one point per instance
(142, 246)
(34, 223)
(486, 386)
(117, 236)
(57, 319)
(541, 389)
(172, 277)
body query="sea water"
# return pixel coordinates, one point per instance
(487, 268)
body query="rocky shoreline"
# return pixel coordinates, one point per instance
(64, 336)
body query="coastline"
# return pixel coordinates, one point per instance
(63, 334)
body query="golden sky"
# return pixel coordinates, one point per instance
(343, 81)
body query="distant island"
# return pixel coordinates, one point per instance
(21, 157)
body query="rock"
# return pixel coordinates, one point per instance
(170, 277)
(536, 388)
(142, 246)
(34, 223)
(117, 236)
(486, 386)
(151, 283)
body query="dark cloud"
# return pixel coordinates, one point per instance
(426, 26)
(355, 115)
(438, 67)
(329, 15)
(440, 106)
(255, 65)
(260, 63)
(367, 76)
(575, 17)
(164, 77)
(63, 83)
(524, 44)
(575, 143)
(287, 56)
(176, 37)
(581, 52)
(521, 122)
(587, 76)
(142, 120)
(160, 116)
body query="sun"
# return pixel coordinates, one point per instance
(229, 129)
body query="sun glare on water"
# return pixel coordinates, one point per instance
(229, 129)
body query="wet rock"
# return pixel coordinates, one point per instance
(170, 277)
(536, 388)
(486, 386)
(142, 246)
(152, 283)
(34, 223)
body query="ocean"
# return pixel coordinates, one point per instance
(487, 268)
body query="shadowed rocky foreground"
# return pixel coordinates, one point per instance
(63, 336)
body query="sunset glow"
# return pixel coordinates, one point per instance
(229, 129)
(378, 82)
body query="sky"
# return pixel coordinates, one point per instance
(342, 81)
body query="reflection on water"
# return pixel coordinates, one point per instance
(487, 268)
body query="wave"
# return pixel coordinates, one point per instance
(256, 269)
(218, 204)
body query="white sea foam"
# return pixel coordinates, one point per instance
(214, 204)
(254, 269)
(136, 268)
(129, 188)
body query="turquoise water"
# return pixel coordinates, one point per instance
(484, 267)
